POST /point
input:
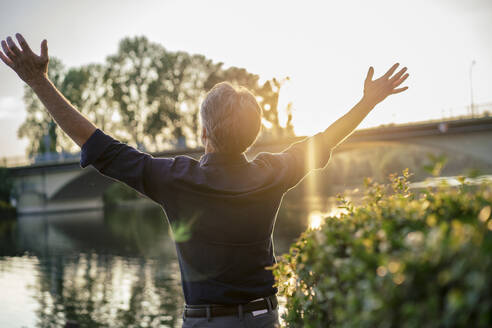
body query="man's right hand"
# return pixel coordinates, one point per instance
(377, 90)
(374, 92)
(30, 67)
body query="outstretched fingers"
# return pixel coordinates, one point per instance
(7, 50)
(399, 90)
(6, 60)
(398, 75)
(391, 71)
(370, 74)
(19, 56)
(13, 47)
(44, 49)
(400, 80)
(23, 43)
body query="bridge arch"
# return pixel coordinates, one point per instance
(89, 184)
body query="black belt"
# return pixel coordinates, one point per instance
(213, 310)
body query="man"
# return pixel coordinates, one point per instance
(226, 204)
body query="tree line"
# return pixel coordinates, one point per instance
(144, 95)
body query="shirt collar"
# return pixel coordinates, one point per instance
(223, 159)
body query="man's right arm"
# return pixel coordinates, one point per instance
(374, 92)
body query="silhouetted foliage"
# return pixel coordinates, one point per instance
(145, 95)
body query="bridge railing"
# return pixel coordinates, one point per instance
(45, 158)
(14, 161)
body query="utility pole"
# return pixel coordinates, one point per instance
(472, 109)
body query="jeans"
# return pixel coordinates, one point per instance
(265, 320)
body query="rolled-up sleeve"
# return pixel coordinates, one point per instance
(304, 156)
(121, 162)
(94, 147)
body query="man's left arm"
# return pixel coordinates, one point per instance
(117, 160)
(33, 70)
(110, 157)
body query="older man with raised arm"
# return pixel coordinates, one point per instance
(228, 202)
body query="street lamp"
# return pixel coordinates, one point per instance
(472, 109)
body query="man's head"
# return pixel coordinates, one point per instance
(231, 119)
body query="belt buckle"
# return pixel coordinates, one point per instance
(258, 312)
(262, 311)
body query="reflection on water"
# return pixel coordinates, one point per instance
(118, 269)
(112, 269)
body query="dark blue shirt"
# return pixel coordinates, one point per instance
(222, 209)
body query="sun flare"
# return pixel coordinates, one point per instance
(315, 220)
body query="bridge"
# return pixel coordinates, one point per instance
(64, 186)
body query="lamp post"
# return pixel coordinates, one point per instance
(472, 109)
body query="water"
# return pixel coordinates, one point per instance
(100, 269)
(116, 268)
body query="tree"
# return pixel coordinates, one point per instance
(269, 93)
(129, 73)
(176, 95)
(144, 95)
(95, 99)
(156, 92)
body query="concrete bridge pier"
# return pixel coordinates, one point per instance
(48, 190)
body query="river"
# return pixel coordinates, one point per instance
(118, 267)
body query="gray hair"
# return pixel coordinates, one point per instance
(231, 117)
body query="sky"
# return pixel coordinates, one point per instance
(325, 47)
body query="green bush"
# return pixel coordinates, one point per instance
(401, 259)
